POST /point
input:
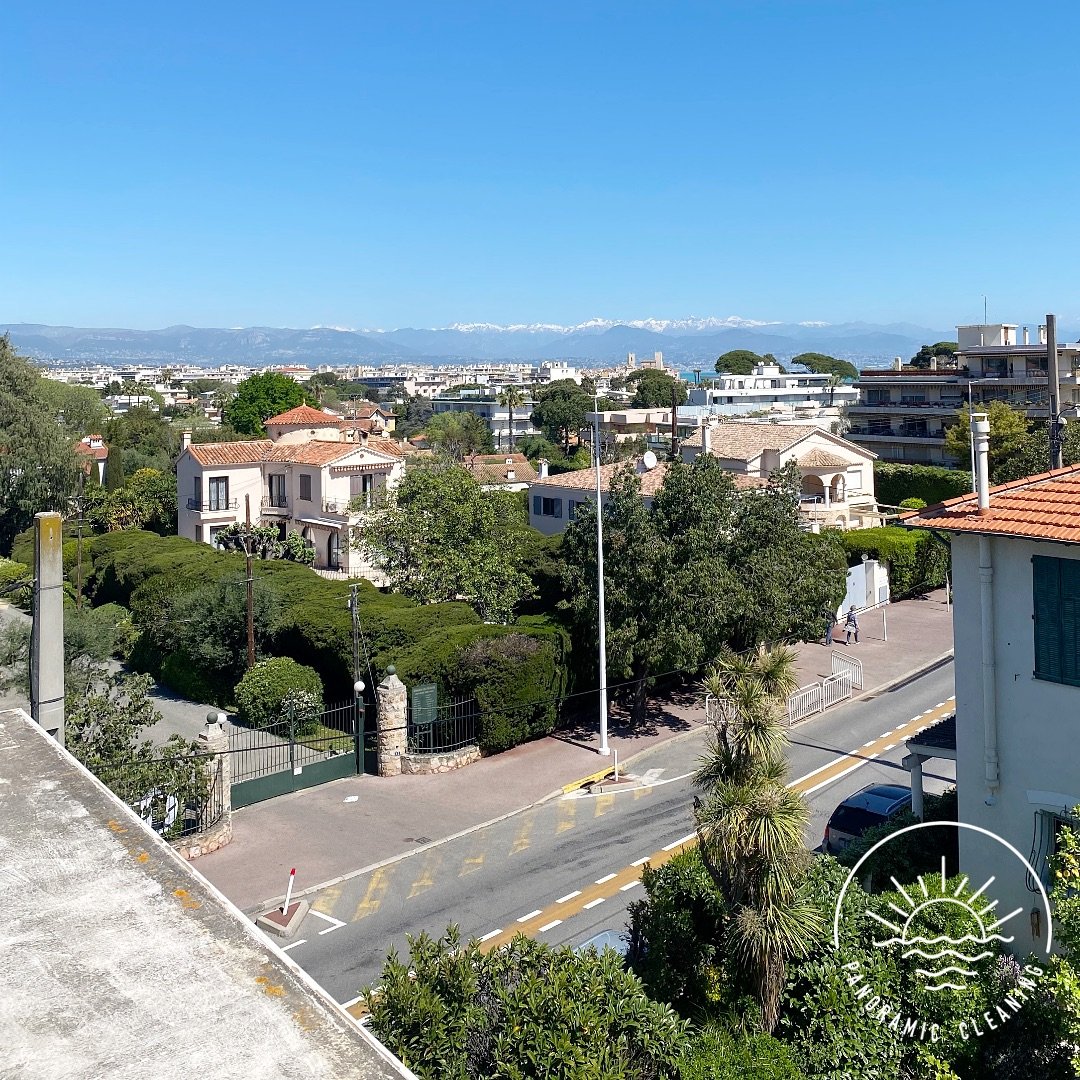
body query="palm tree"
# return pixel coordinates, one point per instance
(511, 398)
(751, 827)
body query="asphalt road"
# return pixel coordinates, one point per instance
(565, 870)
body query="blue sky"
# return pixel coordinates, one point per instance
(416, 164)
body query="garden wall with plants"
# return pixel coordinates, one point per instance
(917, 560)
(893, 483)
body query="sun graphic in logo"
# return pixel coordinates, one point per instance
(949, 957)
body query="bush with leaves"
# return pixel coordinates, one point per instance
(298, 548)
(262, 694)
(893, 483)
(717, 1053)
(525, 1010)
(917, 561)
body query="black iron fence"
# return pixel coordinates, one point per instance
(444, 728)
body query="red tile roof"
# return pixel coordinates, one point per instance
(313, 452)
(493, 468)
(230, 453)
(304, 416)
(1042, 507)
(651, 479)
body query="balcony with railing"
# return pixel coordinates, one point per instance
(213, 506)
(902, 432)
(275, 502)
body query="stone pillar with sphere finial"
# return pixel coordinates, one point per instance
(393, 722)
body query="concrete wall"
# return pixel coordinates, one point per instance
(243, 480)
(1037, 721)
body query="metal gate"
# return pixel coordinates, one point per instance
(267, 762)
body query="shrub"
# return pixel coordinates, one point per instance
(116, 620)
(261, 693)
(16, 581)
(718, 1054)
(179, 674)
(912, 504)
(917, 561)
(893, 483)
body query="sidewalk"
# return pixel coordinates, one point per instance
(325, 836)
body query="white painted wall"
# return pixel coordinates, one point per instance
(1038, 722)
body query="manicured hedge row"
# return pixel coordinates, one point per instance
(893, 483)
(917, 560)
(516, 673)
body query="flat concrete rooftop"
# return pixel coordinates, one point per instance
(118, 960)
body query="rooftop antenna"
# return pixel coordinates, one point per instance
(984, 311)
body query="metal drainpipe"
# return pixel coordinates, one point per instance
(981, 430)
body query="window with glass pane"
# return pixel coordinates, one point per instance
(277, 490)
(305, 487)
(219, 493)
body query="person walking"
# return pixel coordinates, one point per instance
(851, 626)
(830, 625)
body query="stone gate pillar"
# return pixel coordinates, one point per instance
(393, 723)
(217, 831)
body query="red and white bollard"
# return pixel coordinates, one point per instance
(288, 892)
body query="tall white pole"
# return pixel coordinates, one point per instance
(971, 436)
(600, 580)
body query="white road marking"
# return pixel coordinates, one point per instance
(884, 733)
(594, 903)
(641, 861)
(606, 877)
(354, 1001)
(870, 743)
(494, 933)
(549, 926)
(630, 885)
(889, 747)
(334, 923)
(940, 705)
(292, 945)
(531, 915)
(568, 896)
(831, 779)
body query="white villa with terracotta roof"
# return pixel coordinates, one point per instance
(315, 474)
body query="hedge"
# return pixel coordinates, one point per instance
(893, 483)
(917, 560)
(260, 694)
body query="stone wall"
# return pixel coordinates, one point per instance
(212, 740)
(203, 843)
(426, 764)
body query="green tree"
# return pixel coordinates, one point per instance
(411, 416)
(655, 390)
(824, 364)
(525, 1010)
(751, 827)
(439, 537)
(259, 397)
(942, 351)
(510, 399)
(1009, 437)
(739, 362)
(79, 409)
(459, 434)
(146, 501)
(560, 411)
(38, 465)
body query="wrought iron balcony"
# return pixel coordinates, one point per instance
(275, 502)
(214, 506)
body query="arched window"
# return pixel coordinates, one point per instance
(333, 551)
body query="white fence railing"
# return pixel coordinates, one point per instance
(804, 702)
(835, 688)
(850, 665)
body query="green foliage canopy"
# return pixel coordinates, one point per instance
(1008, 437)
(263, 690)
(820, 363)
(259, 397)
(560, 411)
(743, 362)
(459, 434)
(655, 390)
(894, 482)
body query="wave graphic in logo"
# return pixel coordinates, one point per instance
(950, 957)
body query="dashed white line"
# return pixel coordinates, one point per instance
(641, 861)
(870, 743)
(568, 896)
(884, 733)
(549, 926)
(531, 915)
(594, 903)
(630, 885)
(606, 877)
(871, 758)
(831, 779)
(940, 705)
(494, 933)
(889, 747)
(681, 840)
(293, 944)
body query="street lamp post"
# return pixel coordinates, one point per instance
(604, 751)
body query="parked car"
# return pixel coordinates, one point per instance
(607, 939)
(874, 805)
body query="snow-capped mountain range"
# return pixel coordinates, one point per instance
(685, 342)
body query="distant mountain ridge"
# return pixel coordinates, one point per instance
(685, 342)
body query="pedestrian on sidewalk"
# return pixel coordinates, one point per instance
(830, 625)
(851, 626)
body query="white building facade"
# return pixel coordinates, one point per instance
(767, 389)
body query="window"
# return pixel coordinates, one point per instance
(305, 487)
(1056, 595)
(547, 507)
(333, 551)
(277, 490)
(854, 480)
(573, 505)
(219, 493)
(196, 494)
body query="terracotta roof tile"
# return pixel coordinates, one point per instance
(314, 452)
(493, 468)
(741, 442)
(822, 459)
(651, 479)
(304, 416)
(230, 453)
(1045, 506)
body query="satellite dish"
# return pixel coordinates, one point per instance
(649, 460)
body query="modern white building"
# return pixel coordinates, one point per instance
(315, 474)
(767, 389)
(1016, 620)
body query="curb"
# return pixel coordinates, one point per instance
(906, 677)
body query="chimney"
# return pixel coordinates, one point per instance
(1026, 336)
(898, 363)
(706, 440)
(1042, 335)
(981, 434)
(543, 468)
(185, 440)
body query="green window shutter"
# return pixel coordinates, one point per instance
(1046, 589)
(1070, 621)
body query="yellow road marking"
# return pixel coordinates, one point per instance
(373, 897)
(567, 815)
(326, 900)
(589, 895)
(427, 875)
(471, 864)
(603, 804)
(521, 841)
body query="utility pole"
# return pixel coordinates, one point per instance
(354, 610)
(1056, 423)
(250, 585)
(47, 633)
(604, 751)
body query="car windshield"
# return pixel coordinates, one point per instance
(854, 820)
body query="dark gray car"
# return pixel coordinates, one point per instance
(872, 806)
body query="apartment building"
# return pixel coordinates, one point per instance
(768, 389)
(314, 474)
(495, 416)
(903, 414)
